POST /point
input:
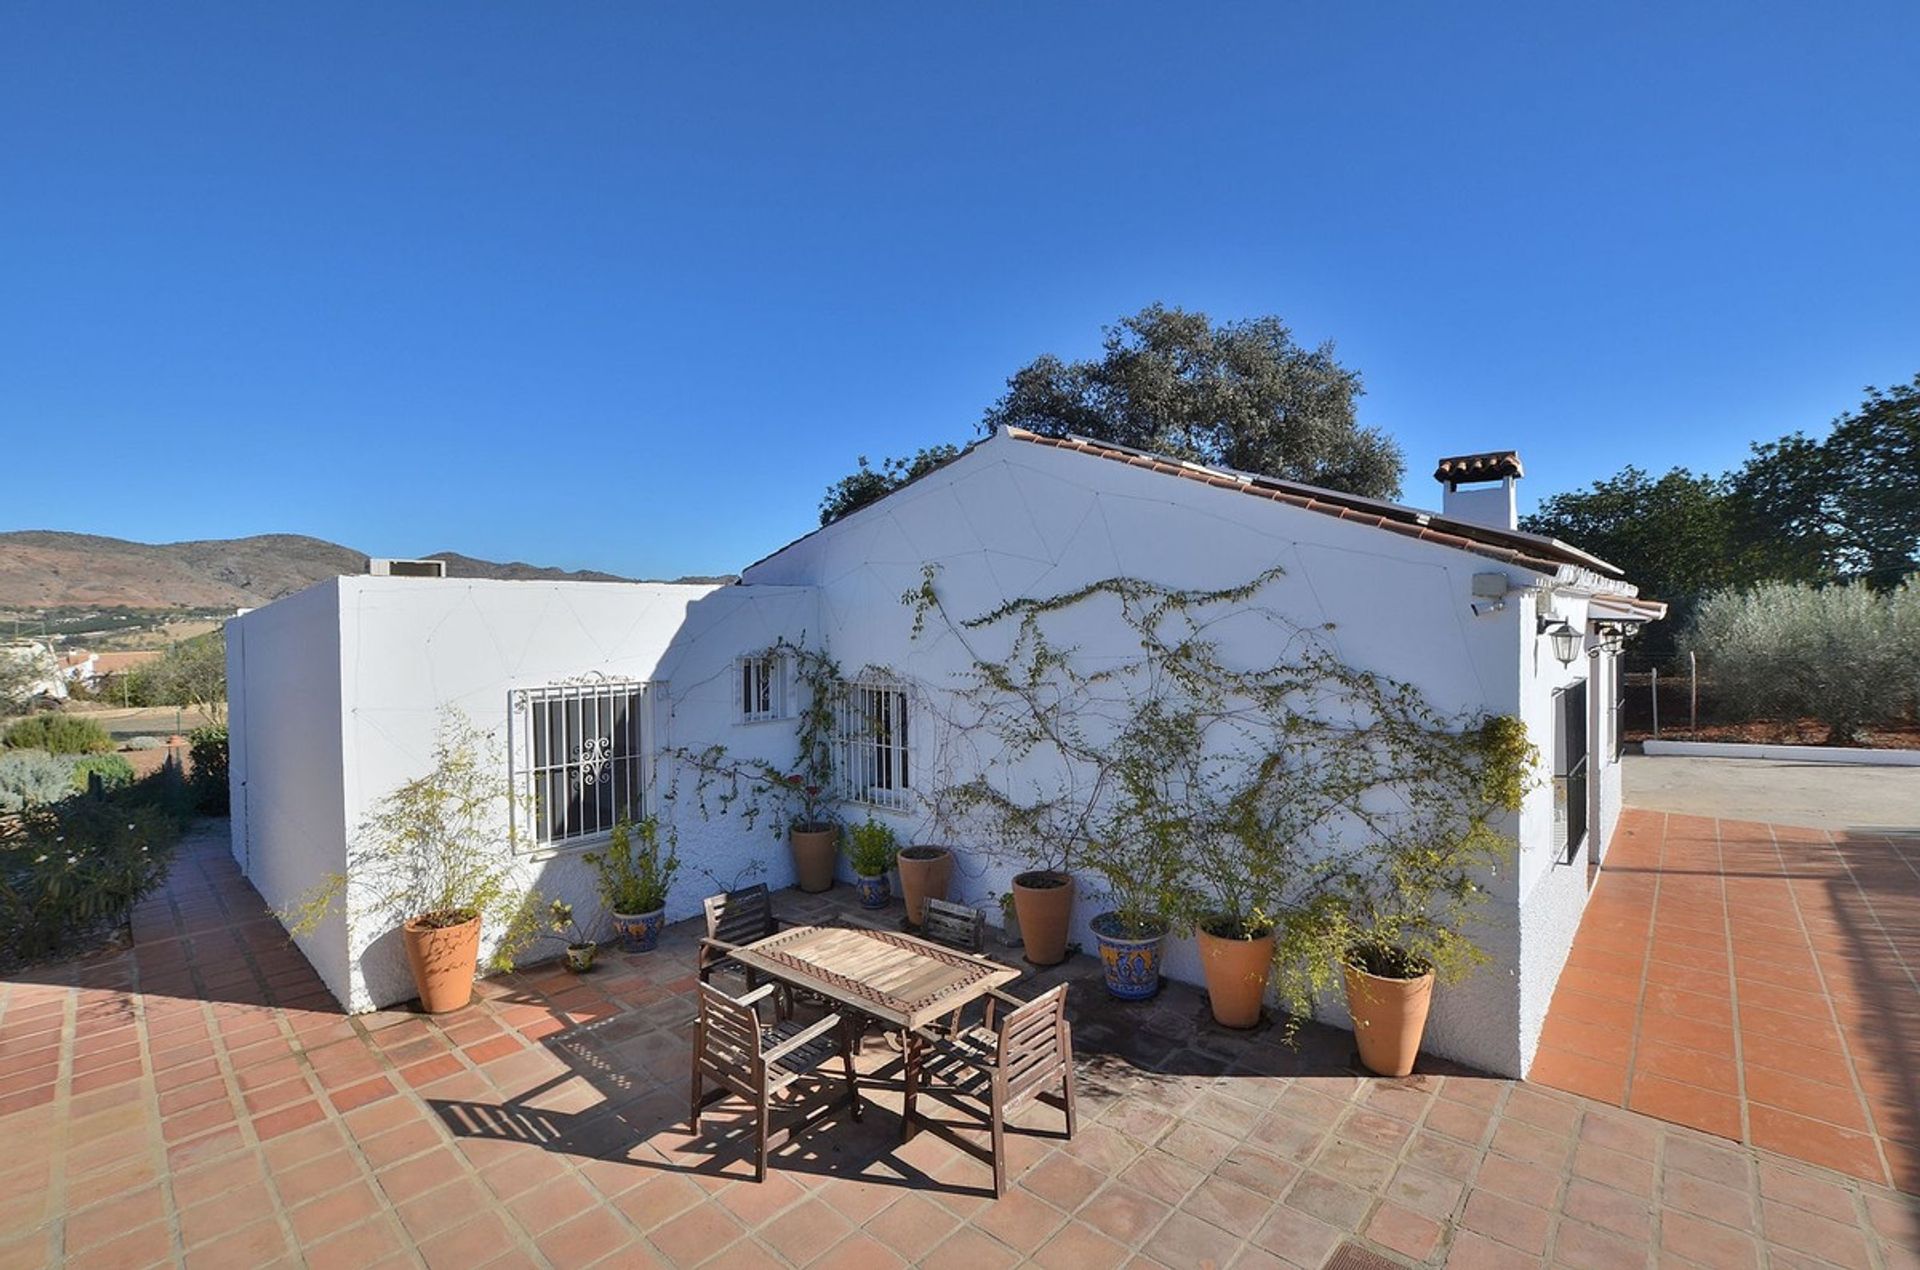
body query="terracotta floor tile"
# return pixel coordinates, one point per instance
(1835, 1104)
(1685, 1104)
(1579, 1074)
(1816, 1141)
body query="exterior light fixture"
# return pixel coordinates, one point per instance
(1566, 640)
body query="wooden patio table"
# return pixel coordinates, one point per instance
(902, 982)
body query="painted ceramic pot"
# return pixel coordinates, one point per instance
(1130, 961)
(580, 957)
(874, 892)
(640, 932)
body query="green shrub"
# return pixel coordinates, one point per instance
(30, 778)
(1788, 651)
(59, 734)
(72, 868)
(636, 881)
(871, 848)
(209, 755)
(115, 772)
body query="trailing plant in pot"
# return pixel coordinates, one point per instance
(871, 851)
(435, 859)
(635, 875)
(580, 949)
(1391, 918)
(795, 798)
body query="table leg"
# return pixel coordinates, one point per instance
(910, 1061)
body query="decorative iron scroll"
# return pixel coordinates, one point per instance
(768, 950)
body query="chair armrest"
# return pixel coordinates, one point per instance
(758, 994)
(794, 1042)
(712, 949)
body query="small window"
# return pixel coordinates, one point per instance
(578, 761)
(872, 750)
(763, 687)
(1570, 766)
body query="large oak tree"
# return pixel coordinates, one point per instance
(1238, 394)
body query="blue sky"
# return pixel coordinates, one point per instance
(622, 287)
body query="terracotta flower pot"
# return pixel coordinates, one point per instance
(443, 959)
(1129, 959)
(1236, 971)
(924, 875)
(1389, 1018)
(1044, 902)
(815, 851)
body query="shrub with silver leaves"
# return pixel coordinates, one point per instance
(32, 778)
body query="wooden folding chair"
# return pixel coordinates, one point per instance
(733, 1051)
(1027, 1055)
(733, 919)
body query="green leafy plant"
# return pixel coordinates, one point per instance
(208, 755)
(114, 772)
(70, 870)
(59, 734)
(871, 848)
(438, 849)
(563, 926)
(635, 879)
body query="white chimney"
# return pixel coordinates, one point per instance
(1480, 488)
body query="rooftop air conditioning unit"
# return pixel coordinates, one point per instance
(381, 567)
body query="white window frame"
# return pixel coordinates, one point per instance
(760, 692)
(873, 735)
(624, 762)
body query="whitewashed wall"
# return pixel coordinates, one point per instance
(1016, 519)
(285, 760)
(407, 648)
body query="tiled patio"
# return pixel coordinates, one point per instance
(1755, 981)
(196, 1102)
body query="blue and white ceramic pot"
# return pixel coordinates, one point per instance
(874, 892)
(1129, 959)
(640, 932)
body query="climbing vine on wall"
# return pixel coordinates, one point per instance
(1286, 792)
(725, 784)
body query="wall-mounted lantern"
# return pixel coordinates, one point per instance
(1566, 640)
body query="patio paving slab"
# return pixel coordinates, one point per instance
(1754, 981)
(198, 1101)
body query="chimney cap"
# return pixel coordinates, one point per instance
(1494, 465)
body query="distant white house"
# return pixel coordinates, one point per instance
(335, 691)
(46, 677)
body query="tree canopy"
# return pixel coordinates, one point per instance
(1239, 394)
(1841, 508)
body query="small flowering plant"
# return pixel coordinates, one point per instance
(580, 949)
(812, 799)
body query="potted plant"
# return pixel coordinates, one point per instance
(1043, 904)
(1243, 867)
(1398, 911)
(434, 859)
(871, 852)
(925, 873)
(811, 835)
(634, 881)
(1140, 884)
(580, 949)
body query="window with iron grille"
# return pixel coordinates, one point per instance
(762, 687)
(872, 748)
(1570, 765)
(578, 759)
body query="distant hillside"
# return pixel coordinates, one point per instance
(47, 569)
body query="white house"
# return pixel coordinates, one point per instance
(336, 691)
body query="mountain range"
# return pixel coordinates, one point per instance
(42, 568)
